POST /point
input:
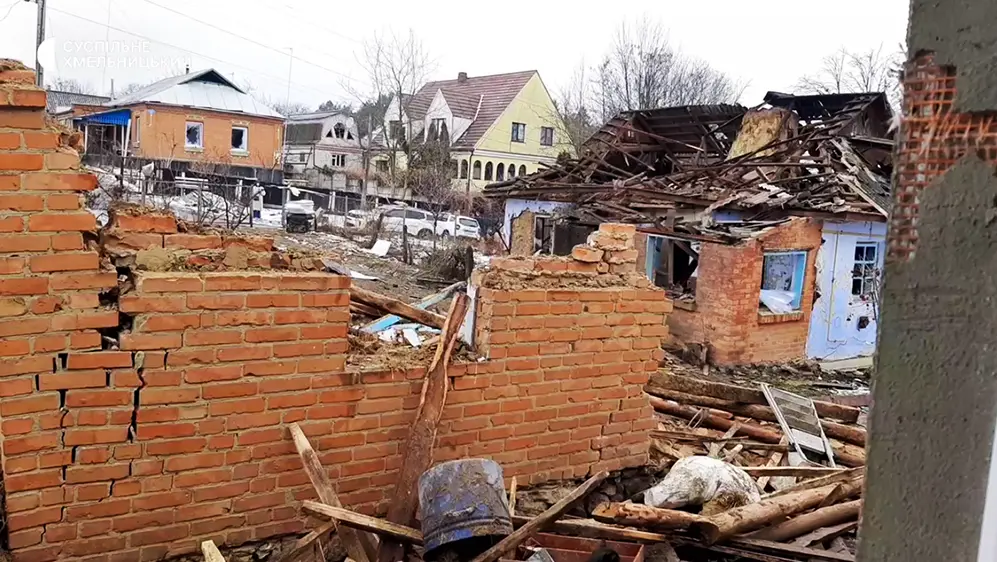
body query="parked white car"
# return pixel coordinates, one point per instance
(459, 226)
(356, 218)
(416, 221)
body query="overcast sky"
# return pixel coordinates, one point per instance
(766, 44)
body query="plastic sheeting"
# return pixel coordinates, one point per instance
(699, 480)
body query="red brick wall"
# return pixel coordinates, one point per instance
(143, 413)
(727, 289)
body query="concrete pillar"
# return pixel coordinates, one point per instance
(935, 387)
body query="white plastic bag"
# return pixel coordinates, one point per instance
(779, 302)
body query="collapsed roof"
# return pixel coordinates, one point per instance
(793, 155)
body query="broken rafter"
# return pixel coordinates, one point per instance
(418, 453)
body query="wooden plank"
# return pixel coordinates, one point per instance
(356, 520)
(512, 496)
(418, 453)
(798, 471)
(791, 550)
(211, 552)
(809, 522)
(386, 322)
(397, 307)
(826, 534)
(845, 476)
(715, 448)
(361, 548)
(774, 460)
(537, 523)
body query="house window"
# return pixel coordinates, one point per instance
(488, 171)
(476, 174)
(543, 234)
(522, 170)
(339, 130)
(194, 135)
(500, 172)
(137, 131)
(338, 161)
(519, 132)
(395, 130)
(240, 139)
(512, 171)
(381, 166)
(547, 136)
(865, 273)
(463, 169)
(782, 281)
(437, 129)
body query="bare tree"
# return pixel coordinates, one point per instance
(70, 85)
(846, 71)
(397, 66)
(642, 70)
(573, 113)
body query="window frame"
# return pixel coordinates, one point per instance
(542, 245)
(798, 280)
(245, 140)
(200, 127)
(489, 168)
(867, 276)
(500, 172)
(522, 171)
(544, 133)
(521, 128)
(334, 158)
(476, 170)
(137, 131)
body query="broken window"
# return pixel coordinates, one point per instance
(240, 139)
(463, 169)
(488, 171)
(865, 272)
(349, 135)
(782, 281)
(337, 160)
(671, 265)
(519, 132)
(543, 234)
(500, 172)
(194, 135)
(476, 174)
(339, 130)
(547, 136)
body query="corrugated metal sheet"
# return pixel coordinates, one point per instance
(205, 90)
(116, 117)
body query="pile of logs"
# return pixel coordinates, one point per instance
(803, 509)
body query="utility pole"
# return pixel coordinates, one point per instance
(366, 161)
(290, 67)
(39, 40)
(931, 476)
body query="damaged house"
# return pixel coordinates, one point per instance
(766, 226)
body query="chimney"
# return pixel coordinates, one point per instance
(461, 77)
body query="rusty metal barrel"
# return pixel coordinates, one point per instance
(462, 500)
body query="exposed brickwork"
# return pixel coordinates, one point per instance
(727, 288)
(143, 413)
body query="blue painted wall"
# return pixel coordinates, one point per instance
(834, 324)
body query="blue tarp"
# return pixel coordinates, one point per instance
(116, 117)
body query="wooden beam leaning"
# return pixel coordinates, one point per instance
(397, 307)
(417, 455)
(526, 531)
(361, 548)
(354, 520)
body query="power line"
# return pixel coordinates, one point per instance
(247, 39)
(183, 49)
